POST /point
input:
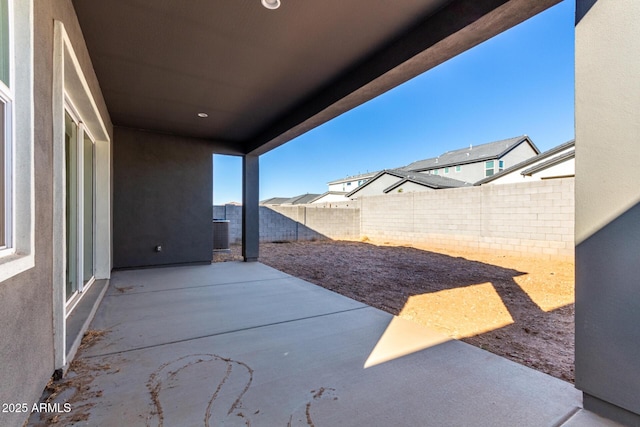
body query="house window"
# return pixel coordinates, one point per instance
(458, 168)
(489, 168)
(17, 214)
(446, 170)
(436, 171)
(500, 166)
(6, 126)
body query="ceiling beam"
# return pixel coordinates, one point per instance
(457, 27)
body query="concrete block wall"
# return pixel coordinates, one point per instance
(528, 218)
(301, 222)
(338, 221)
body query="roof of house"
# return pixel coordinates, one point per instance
(432, 181)
(353, 178)
(549, 154)
(327, 193)
(274, 201)
(297, 200)
(491, 150)
(301, 199)
(551, 162)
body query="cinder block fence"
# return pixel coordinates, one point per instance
(533, 218)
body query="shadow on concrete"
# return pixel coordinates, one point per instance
(478, 302)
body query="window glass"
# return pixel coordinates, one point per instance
(458, 168)
(489, 164)
(4, 42)
(71, 169)
(446, 170)
(3, 221)
(88, 243)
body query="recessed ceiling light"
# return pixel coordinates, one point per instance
(203, 115)
(271, 4)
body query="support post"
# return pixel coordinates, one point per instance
(250, 208)
(608, 208)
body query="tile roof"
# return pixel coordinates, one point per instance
(491, 150)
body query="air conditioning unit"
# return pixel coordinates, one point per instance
(221, 235)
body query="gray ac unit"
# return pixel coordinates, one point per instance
(221, 235)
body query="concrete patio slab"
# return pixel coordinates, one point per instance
(283, 352)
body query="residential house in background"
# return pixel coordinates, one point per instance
(558, 162)
(350, 183)
(477, 162)
(398, 180)
(297, 200)
(460, 167)
(331, 196)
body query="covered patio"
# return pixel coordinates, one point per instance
(244, 344)
(111, 114)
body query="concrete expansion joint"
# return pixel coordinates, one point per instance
(193, 287)
(249, 328)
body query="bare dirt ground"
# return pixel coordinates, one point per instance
(519, 308)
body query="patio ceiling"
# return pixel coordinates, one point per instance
(267, 76)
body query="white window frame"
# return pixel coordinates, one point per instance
(458, 169)
(6, 98)
(487, 168)
(19, 253)
(71, 86)
(82, 131)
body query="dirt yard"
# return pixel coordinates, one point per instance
(518, 308)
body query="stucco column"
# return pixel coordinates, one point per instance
(250, 208)
(608, 207)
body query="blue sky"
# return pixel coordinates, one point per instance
(519, 82)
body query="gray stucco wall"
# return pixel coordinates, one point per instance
(608, 207)
(162, 189)
(27, 352)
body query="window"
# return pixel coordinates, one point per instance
(17, 216)
(446, 170)
(458, 168)
(500, 166)
(489, 168)
(79, 205)
(436, 171)
(6, 122)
